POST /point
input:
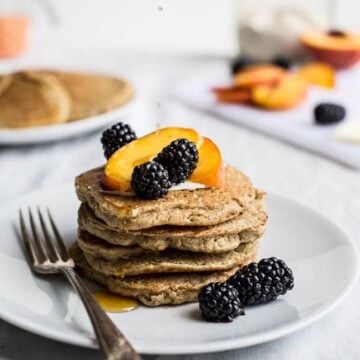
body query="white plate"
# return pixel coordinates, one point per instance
(321, 255)
(57, 132)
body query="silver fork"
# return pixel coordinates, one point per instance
(48, 255)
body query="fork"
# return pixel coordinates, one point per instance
(48, 255)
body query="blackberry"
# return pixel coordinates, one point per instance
(259, 283)
(241, 62)
(116, 137)
(219, 302)
(150, 180)
(282, 61)
(328, 113)
(179, 159)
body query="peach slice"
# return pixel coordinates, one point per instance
(232, 95)
(258, 75)
(289, 92)
(120, 166)
(318, 73)
(210, 170)
(339, 49)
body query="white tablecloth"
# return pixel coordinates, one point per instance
(272, 165)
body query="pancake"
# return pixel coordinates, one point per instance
(97, 247)
(5, 81)
(155, 289)
(93, 94)
(216, 239)
(200, 207)
(170, 261)
(30, 99)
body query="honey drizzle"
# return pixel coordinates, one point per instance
(114, 303)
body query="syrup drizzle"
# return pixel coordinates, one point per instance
(114, 303)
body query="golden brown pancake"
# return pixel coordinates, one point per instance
(5, 81)
(223, 237)
(200, 207)
(30, 99)
(93, 94)
(100, 248)
(168, 261)
(155, 289)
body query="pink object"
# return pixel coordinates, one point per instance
(13, 35)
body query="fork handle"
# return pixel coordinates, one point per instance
(112, 342)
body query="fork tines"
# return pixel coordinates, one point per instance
(44, 245)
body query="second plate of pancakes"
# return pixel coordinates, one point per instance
(48, 105)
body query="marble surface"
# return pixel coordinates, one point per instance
(272, 165)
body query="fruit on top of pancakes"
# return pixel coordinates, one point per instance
(120, 166)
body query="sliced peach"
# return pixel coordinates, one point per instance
(340, 49)
(232, 95)
(258, 75)
(289, 92)
(210, 170)
(120, 166)
(318, 73)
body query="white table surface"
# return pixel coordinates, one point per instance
(272, 165)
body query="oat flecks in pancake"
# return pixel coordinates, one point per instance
(170, 261)
(155, 289)
(210, 239)
(202, 207)
(93, 94)
(29, 99)
(96, 247)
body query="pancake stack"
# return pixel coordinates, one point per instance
(163, 251)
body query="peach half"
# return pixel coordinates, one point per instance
(318, 73)
(255, 75)
(232, 95)
(210, 170)
(339, 49)
(288, 93)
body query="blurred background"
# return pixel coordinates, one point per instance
(156, 45)
(203, 27)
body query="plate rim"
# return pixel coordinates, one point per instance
(215, 346)
(67, 130)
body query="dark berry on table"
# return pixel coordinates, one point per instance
(219, 302)
(282, 61)
(116, 137)
(240, 63)
(150, 180)
(336, 33)
(261, 282)
(328, 113)
(180, 159)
